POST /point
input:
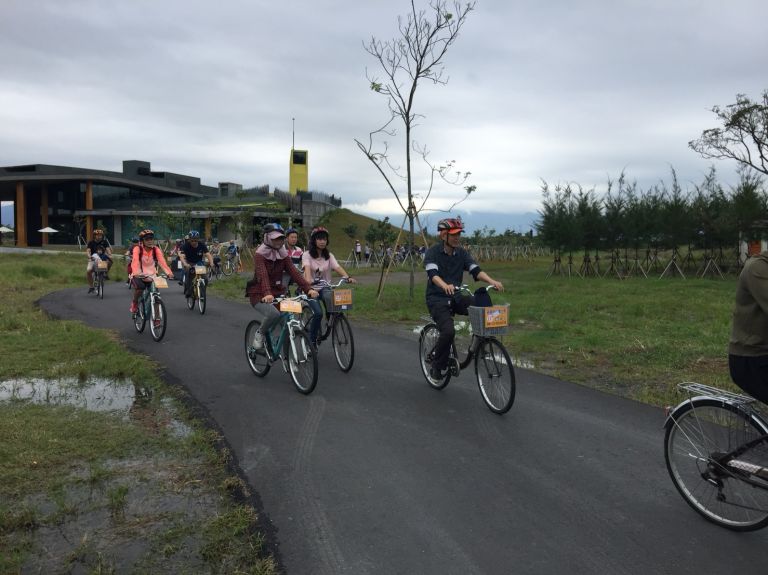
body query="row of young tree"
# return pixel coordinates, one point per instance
(709, 216)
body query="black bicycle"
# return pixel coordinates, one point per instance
(335, 324)
(494, 371)
(716, 450)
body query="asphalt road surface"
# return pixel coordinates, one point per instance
(375, 472)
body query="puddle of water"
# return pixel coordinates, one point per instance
(94, 394)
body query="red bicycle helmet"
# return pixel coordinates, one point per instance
(450, 225)
(318, 231)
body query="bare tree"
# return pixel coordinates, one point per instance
(416, 54)
(743, 136)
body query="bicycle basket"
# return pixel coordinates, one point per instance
(341, 300)
(491, 320)
(102, 265)
(160, 282)
(201, 270)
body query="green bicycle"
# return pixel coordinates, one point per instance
(152, 308)
(287, 342)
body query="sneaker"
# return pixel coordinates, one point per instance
(181, 283)
(158, 322)
(91, 290)
(134, 307)
(436, 374)
(258, 340)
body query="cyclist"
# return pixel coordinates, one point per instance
(145, 259)
(445, 264)
(748, 347)
(233, 255)
(271, 261)
(294, 252)
(99, 247)
(318, 263)
(193, 253)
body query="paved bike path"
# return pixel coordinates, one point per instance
(377, 473)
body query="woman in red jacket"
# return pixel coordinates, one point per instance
(271, 261)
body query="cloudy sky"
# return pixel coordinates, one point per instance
(560, 90)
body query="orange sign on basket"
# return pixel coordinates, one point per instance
(495, 316)
(342, 297)
(290, 306)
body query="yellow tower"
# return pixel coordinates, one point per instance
(298, 171)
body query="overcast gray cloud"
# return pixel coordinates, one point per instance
(560, 90)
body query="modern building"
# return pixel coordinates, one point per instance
(74, 200)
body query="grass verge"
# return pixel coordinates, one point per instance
(107, 491)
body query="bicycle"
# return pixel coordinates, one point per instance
(494, 371)
(152, 308)
(336, 325)
(199, 286)
(99, 273)
(230, 264)
(291, 346)
(716, 451)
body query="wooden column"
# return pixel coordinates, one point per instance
(44, 211)
(89, 206)
(207, 228)
(21, 216)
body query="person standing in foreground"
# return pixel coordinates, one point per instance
(748, 347)
(445, 264)
(270, 262)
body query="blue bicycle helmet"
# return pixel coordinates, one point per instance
(273, 227)
(194, 235)
(291, 230)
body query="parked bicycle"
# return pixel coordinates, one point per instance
(99, 276)
(716, 450)
(230, 264)
(151, 308)
(199, 286)
(494, 371)
(290, 345)
(336, 325)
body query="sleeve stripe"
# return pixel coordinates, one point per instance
(473, 266)
(431, 266)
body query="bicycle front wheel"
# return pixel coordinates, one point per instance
(343, 342)
(427, 343)
(201, 301)
(227, 268)
(100, 289)
(302, 362)
(158, 321)
(191, 298)
(495, 375)
(256, 355)
(699, 432)
(139, 318)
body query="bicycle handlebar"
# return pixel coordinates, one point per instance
(466, 288)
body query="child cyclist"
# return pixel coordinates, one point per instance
(145, 259)
(318, 263)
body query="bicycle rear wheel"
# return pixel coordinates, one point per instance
(201, 301)
(699, 432)
(302, 362)
(256, 356)
(191, 298)
(158, 321)
(227, 268)
(427, 342)
(343, 342)
(495, 375)
(139, 318)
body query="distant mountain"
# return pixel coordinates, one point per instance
(521, 223)
(7, 215)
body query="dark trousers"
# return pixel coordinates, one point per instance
(442, 313)
(188, 277)
(750, 374)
